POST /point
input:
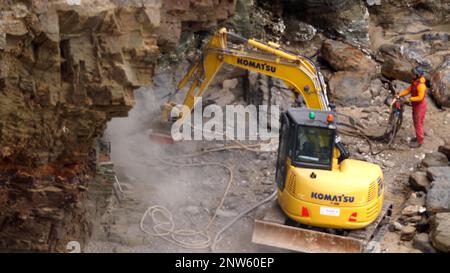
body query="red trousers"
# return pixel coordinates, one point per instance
(419, 110)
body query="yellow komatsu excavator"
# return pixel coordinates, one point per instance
(319, 188)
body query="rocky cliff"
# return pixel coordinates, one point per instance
(66, 68)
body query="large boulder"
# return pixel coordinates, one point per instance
(350, 88)
(440, 84)
(398, 60)
(440, 231)
(189, 15)
(342, 56)
(395, 68)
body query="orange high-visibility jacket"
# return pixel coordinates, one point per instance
(419, 86)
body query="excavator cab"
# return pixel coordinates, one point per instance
(311, 179)
(317, 192)
(307, 140)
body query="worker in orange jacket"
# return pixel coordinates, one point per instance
(418, 91)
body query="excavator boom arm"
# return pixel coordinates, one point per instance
(297, 72)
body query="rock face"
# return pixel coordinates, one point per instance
(63, 79)
(66, 68)
(440, 84)
(346, 18)
(299, 31)
(264, 90)
(190, 15)
(440, 231)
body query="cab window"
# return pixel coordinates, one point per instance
(314, 146)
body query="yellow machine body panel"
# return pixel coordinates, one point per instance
(350, 196)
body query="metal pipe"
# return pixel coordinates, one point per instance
(272, 50)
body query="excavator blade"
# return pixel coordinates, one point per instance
(303, 240)
(272, 230)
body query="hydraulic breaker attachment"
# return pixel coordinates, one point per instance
(161, 129)
(170, 112)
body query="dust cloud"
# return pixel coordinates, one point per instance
(135, 156)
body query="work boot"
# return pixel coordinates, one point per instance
(415, 144)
